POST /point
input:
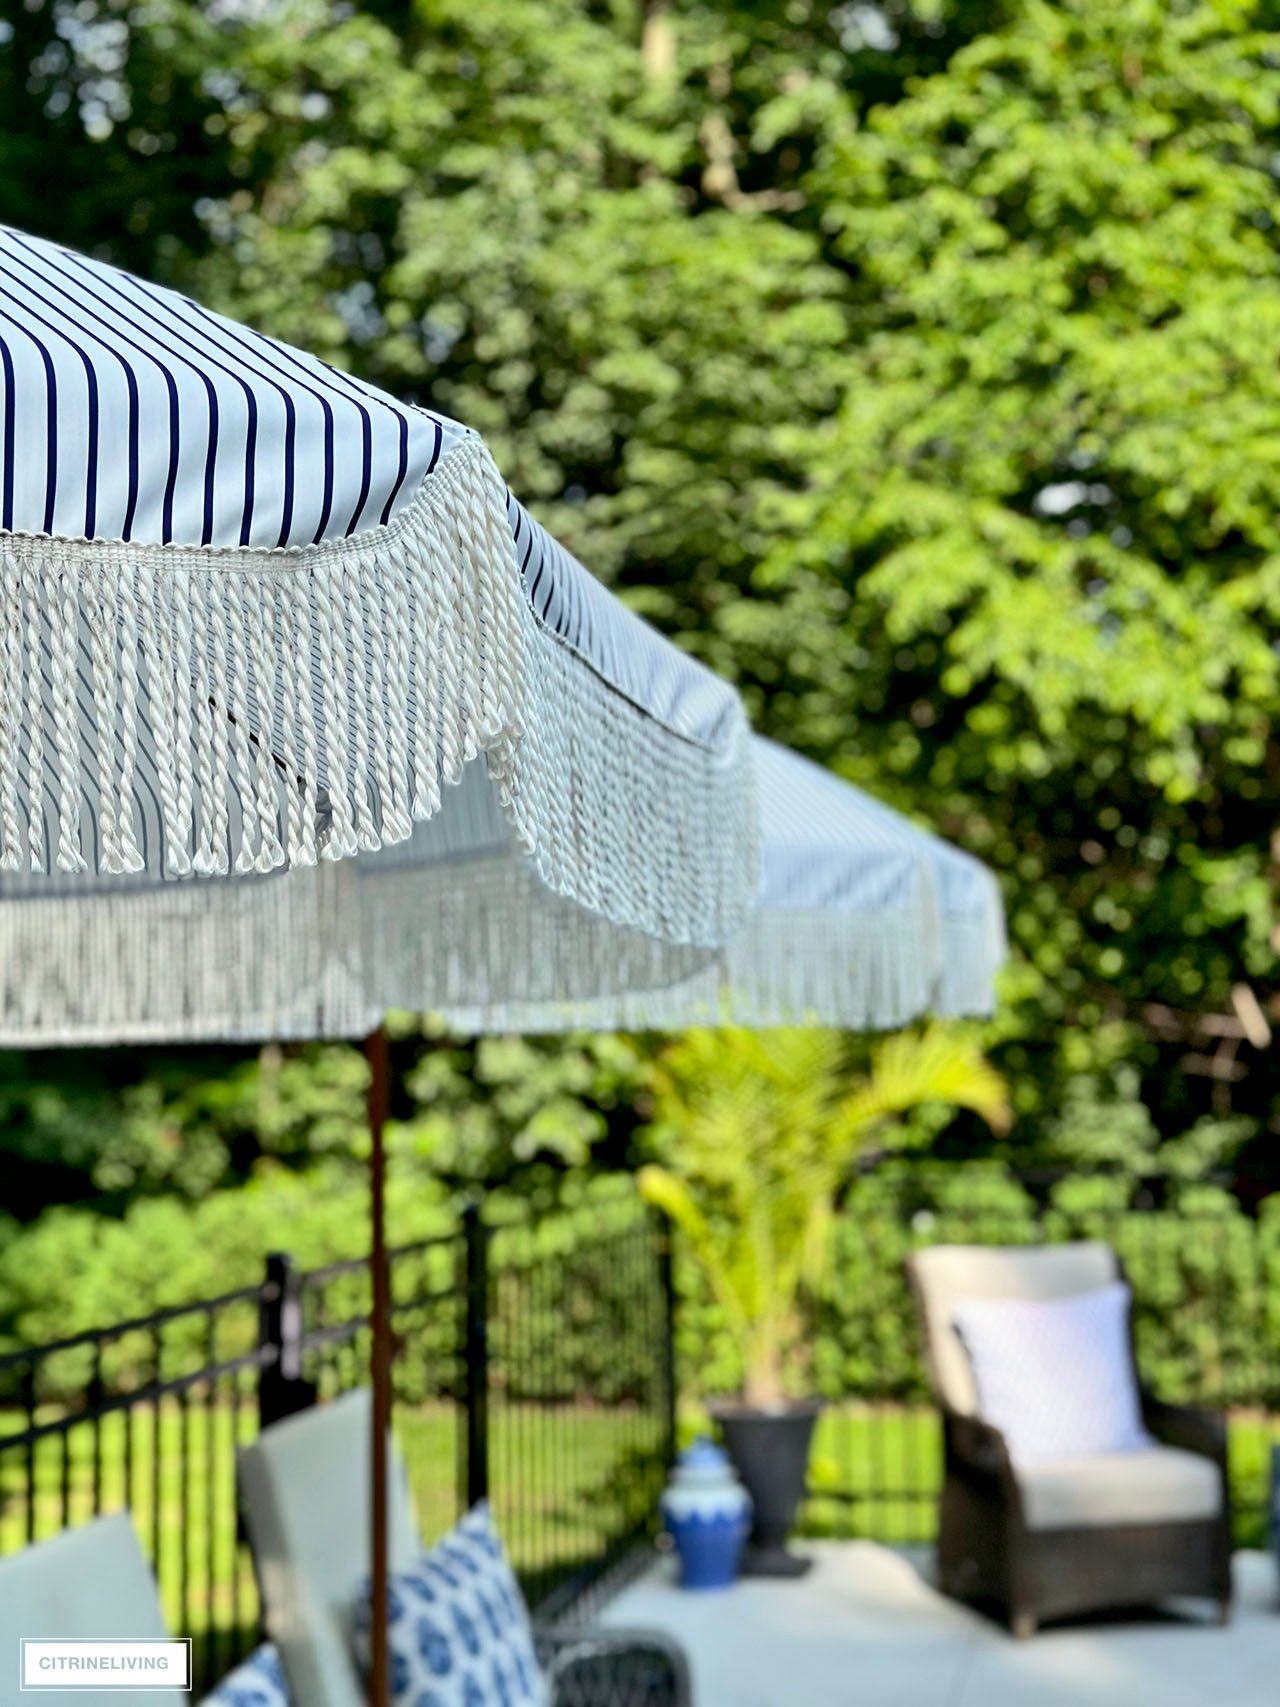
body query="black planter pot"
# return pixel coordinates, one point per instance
(770, 1452)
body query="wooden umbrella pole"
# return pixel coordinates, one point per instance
(378, 1057)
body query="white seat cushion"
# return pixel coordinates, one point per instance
(1159, 1485)
(1055, 1375)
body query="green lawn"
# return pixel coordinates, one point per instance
(875, 1471)
(563, 1478)
(575, 1487)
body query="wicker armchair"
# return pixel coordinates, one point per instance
(604, 1667)
(1048, 1541)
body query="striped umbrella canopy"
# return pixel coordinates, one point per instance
(260, 617)
(258, 621)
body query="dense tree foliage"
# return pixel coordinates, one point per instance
(915, 363)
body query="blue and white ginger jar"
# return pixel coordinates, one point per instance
(707, 1513)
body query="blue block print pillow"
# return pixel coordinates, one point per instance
(459, 1630)
(259, 1682)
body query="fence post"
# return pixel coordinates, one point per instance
(667, 1274)
(281, 1387)
(475, 1353)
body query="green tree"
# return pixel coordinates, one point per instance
(1052, 493)
(114, 127)
(908, 362)
(904, 363)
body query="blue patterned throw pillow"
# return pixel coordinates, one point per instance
(259, 1682)
(459, 1630)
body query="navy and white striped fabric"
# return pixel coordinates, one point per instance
(255, 614)
(135, 413)
(633, 656)
(128, 412)
(132, 413)
(971, 936)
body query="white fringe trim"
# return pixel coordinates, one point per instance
(976, 948)
(790, 967)
(497, 956)
(518, 965)
(266, 958)
(479, 943)
(326, 951)
(312, 704)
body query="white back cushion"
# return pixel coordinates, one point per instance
(1055, 1375)
(946, 1273)
(304, 1493)
(83, 1583)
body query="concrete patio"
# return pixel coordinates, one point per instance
(865, 1628)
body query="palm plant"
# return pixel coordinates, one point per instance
(761, 1132)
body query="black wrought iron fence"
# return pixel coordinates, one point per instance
(325, 1351)
(532, 1366)
(580, 1395)
(146, 1415)
(1206, 1284)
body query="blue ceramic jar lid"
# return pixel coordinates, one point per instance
(703, 1455)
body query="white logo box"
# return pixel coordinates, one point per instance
(121, 1663)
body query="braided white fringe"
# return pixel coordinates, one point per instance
(325, 952)
(197, 962)
(785, 967)
(976, 949)
(279, 707)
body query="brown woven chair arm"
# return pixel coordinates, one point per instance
(1186, 1426)
(975, 1445)
(606, 1667)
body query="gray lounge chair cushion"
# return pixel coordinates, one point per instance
(304, 1494)
(84, 1583)
(1160, 1485)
